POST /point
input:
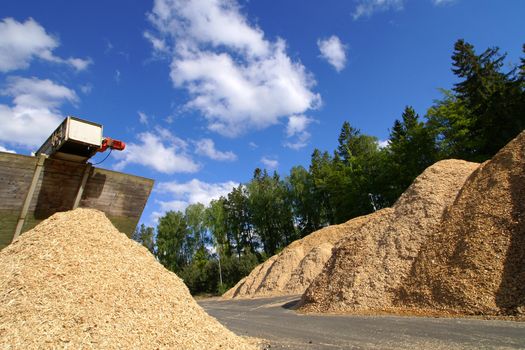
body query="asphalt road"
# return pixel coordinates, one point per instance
(272, 319)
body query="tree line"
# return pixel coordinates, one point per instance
(212, 247)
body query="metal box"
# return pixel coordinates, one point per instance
(75, 139)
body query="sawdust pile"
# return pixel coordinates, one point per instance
(309, 268)
(476, 264)
(249, 284)
(74, 281)
(368, 266)
(280, 272)
(274, 276)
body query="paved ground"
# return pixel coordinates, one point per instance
(273, 320)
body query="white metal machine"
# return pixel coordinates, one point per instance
(77, 140)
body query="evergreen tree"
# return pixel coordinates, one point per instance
(320, 170)
(412, 149)
(346, 142)
(493, 100)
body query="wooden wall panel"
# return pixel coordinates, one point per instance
(121, 196)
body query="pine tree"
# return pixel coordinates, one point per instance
(412, 148)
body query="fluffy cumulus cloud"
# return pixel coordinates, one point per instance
(34, 113)
(21, 42)
(333, 51)
(191, 192)
(206, 147)
(296, 131)
(159, 150)
(236, 79)
(365, 8)
(270, 163)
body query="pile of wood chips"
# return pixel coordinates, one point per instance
(476, 262)
(369, 264)
(75, 282)
(309, 268)
(277, 275)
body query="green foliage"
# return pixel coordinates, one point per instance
(302, 191)
(238, 220)
(173, 246)
(215, 220)
(144, 235)
(449, 120)
(194, 215)
(412, 149)
(271, 211)
(486, 108)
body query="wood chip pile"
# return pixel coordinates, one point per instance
(476, 263)
(75, 282)
(368, 266)
(309, 268)
(274, 276)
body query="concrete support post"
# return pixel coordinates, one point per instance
(27, 201)
(87, 170)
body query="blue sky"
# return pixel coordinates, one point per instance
(203, 92)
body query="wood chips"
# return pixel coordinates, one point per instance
(369, 265)
(476, 262)
(277, 275)
(75, 282)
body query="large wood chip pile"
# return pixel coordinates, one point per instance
(274, 276)
(368, 266)
(476, 263)
(75, 282)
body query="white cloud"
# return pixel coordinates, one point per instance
(236, 78)
(158, 44)
(206, 147)
(365, 8)
(174, 205)
(383, 143)
(333, 51)
(253, 145)
(191, 192)
(78, 63)
(158, 150)
(3, 149)
(297, 124)
(215, 22)
(442, 2)
(34, 113)
(86, 89)
(143, 118)
(22, 42)
(296, 129)
(270, 163)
